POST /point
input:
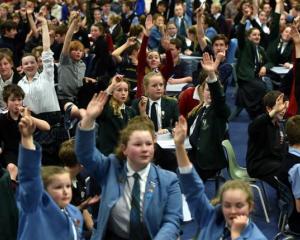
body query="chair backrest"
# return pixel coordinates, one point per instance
(286, 198)
(230, 155)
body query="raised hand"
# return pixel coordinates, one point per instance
(208, 63)
(131, 41)
(180, 131)
(115, 82)
(295, 34)
(148, 24)
(238, 225)
(143, 105)
(93, 110)
(27, 125)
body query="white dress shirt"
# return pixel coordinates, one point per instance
(119, 219)
(40, 94)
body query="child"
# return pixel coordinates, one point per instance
(252, 66)
(39, 88)
(208, 124)
(151, 61)
(71, 69)
(9, 132)
(44, 200)
(290, 169)
(229, 219)
(80, 183)
(266, 142)
(138, 200)
(114, 117)
(162, 110)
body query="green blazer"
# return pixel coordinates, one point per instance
(169, 108)
(273, 52)
(207, 150)
(245, 67)
(110, 126)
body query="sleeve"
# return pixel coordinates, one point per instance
(241, 35)
(172, 215)
(168, 68)
(193, 188)
(64, 59)
(30, 189)
(218, 99)
(89, 156)
(256, 127)
(294, 178)
(274, 28)
(48, 65)
(142, 63)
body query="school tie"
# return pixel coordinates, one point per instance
(226, 235)
(136, 226)
(153, 116)
(182, 28)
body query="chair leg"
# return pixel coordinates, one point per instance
(265, 195)
(262, 202)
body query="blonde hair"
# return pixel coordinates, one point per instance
(49, 172)
(235, 184)
(115, 105)
(148, 77)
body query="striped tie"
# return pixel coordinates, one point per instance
(136, 226)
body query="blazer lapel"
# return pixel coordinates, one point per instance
(151, 186)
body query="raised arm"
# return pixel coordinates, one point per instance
(29, 163)
(45, 33)
(190, 182)
(200, 31)
(74, 21)
(31, 22)
(118, 52)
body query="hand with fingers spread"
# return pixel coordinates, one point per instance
(208, 64)
(238, 225)
(180, 131)
(93, 110)
(148, 24)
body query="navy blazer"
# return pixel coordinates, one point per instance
(162, 208)
(39, 216)
(209, 218)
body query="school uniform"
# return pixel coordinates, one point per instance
(290, 175)
(39, 216)
(251, 87)
(8, 208)
(210, 218)
(161, 206)
(110, 126)
(167, 113)
(209, 128)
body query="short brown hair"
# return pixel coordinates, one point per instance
(49, 172)
(269, 99)
(67, 154)
(12, 90)
(293, 130)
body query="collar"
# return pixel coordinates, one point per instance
(35, 77)
(217, 15)
(294, 151)
(196, 93)
(8, 81)
(143, 173)
(122, 107)
(157, 101)
(112, 28)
